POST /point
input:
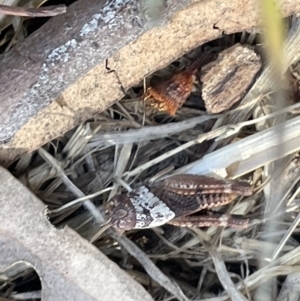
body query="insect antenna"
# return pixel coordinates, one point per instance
(103, 228)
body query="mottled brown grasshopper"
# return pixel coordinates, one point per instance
(174, 199)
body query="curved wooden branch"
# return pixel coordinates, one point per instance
(65, 60)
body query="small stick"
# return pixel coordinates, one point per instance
(48, 11)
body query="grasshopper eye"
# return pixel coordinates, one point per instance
(119, 214)
(123, 219)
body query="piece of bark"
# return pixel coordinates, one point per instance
(149, 51)
(69, 267)
(227, 79)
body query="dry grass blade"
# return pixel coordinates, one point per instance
(150, 267)
(224, 277)
(120, 166)
(262, 146)
(147, 133)
(219, 133)
(286, 237)
(103, 228)
(288, 291)
(273, 31)
(87, 203)
(48, 11)
(281, 266)
(79, 200)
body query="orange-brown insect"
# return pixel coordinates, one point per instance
(172, 93)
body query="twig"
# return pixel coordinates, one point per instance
(48, 11)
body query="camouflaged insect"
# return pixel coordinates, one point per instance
(174, 199)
